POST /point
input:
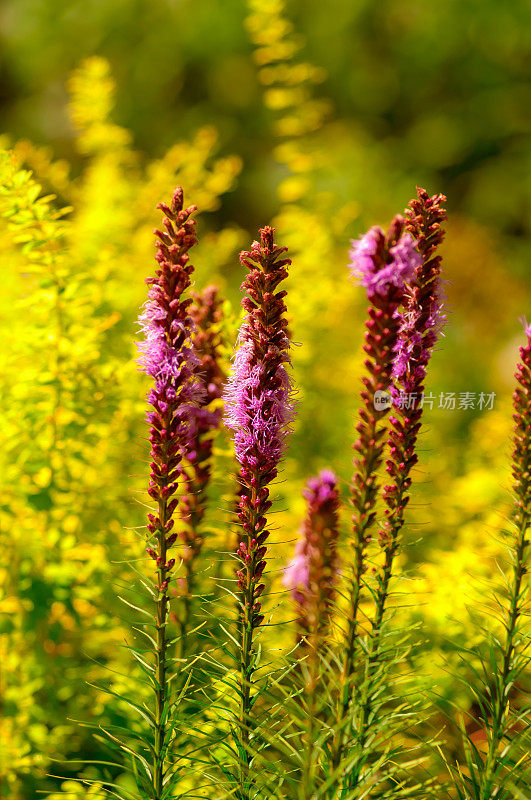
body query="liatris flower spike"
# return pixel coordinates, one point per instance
(312, 574)
(207, 315)
(423, 317)
(415, 332)
(259, 410)
(421, 322)
(383, 265)
(259, 407)
(419, 327)
(167, 355)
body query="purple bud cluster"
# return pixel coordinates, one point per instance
(168, 356)
(312, 574)
(259, 409)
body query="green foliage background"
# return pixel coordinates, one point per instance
(320, 118)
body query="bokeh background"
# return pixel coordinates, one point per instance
(320, 118)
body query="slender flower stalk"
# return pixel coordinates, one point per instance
(205, 418)
(518, 587)
(311, 576)
(383, 265)
(420, 323)
(259, 410)
(167, 356)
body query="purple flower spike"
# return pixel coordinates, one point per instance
(522, 418)
(383, 264)
(420, 325)
(168, 356)
(259, 408)
(422, 319)
(311, 575)
(166, 353)
(206, 312)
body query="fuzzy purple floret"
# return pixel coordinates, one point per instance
(172, 368)
(157, 357)
(259, 416)
(378, 278)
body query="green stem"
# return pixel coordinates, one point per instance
(160, 658)
(348, 665)
(246, 661)
(185, 611)
(504, 684)
(197, 496)
(375, 641)
(308, 781)
(362, 524)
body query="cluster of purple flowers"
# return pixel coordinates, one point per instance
(408, 266)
